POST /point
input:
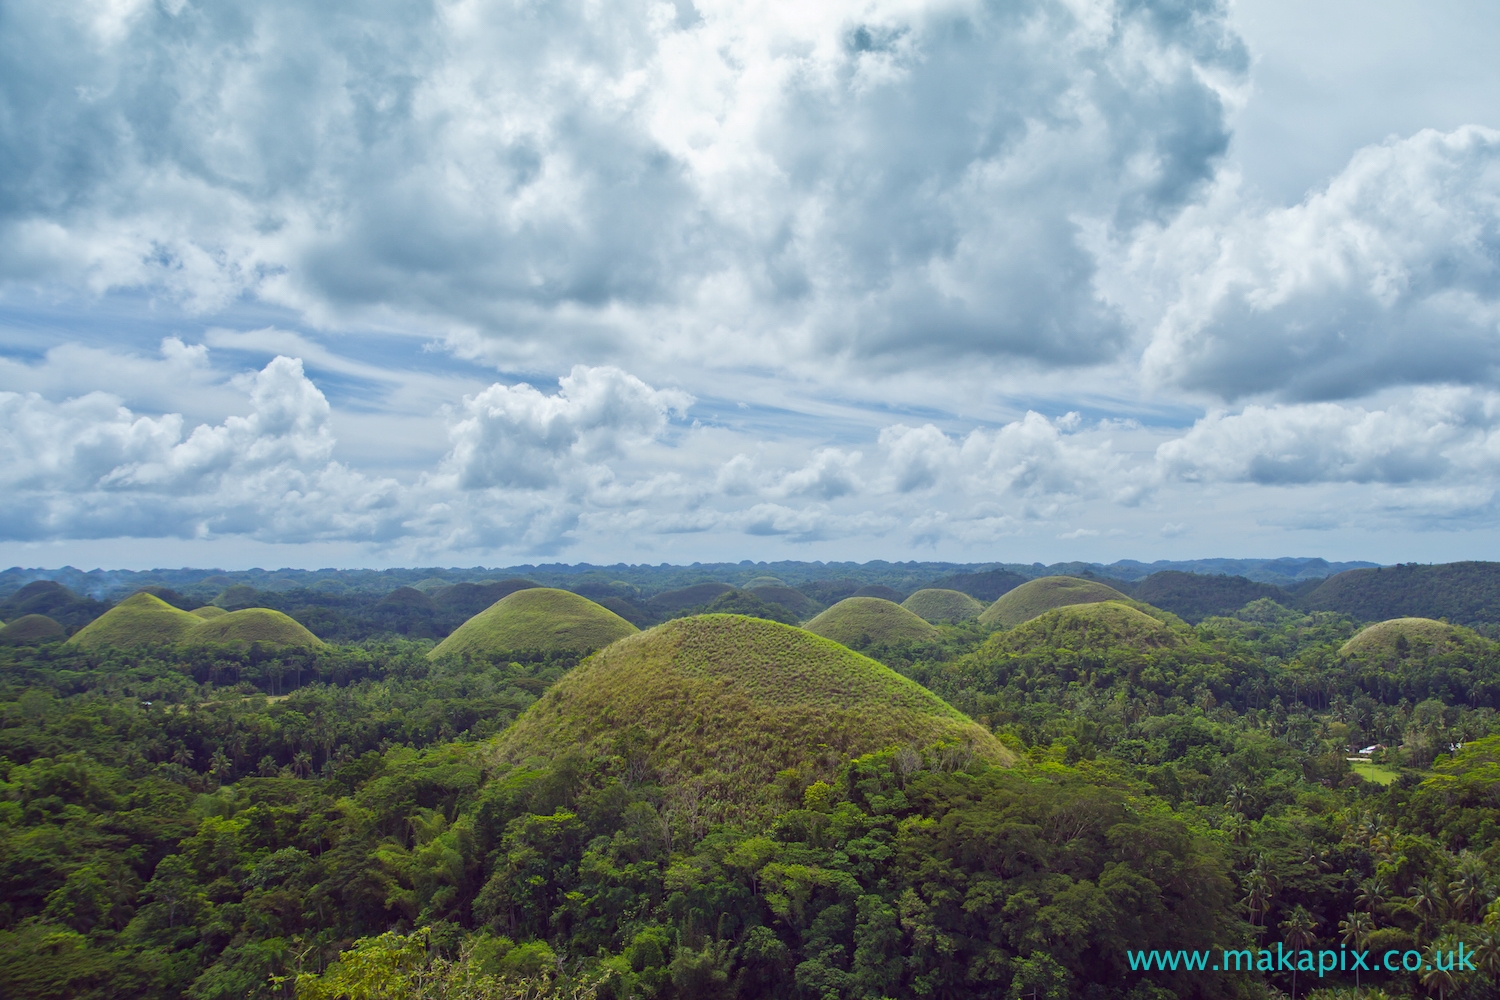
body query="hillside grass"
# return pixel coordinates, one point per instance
(937, 605)
(1423, 637)
(860, 621)
(251, 625)
(139, 620)
(208, 611)
(725, 703)
(1040, 596)
(31, 628)
(537, 618)
(1371, 771)
(1101, 626)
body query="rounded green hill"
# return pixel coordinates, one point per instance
(1036, 597)
(859, 621)
(208, 611)
(139, 620)
(536, 618)
(1403, 637)
(1100, 625)
(29, 629)
(252, 625)
(727, 702)
(936, 605)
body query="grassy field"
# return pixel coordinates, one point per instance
(862, 620)
(936, 605)
(1371, 771)
(536, 618)
(1420, 634)
(723, 703)
(251, 625)
(1039, 596)
(140, 619)
(1104, 625)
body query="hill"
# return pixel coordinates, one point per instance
(687, 597)
(1039, 596)
(472, 598)
(987, 586)
(858, 621)
(239, 595)
(537, 618)
(790, 598)
(251, 625)
(1195, 596)
(1401, 638)
(31, 628)
(1464, 592)
(881, 591)
(1097, 626)
(936, 605)
(727, 703)
(44, 597)
(139, 620)
(409, 597)
(208, 611)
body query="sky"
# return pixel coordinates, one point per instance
(482, 282)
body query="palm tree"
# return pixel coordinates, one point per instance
(1297, 931)
(1371, 895)
(1355, 928)
(1426, 898)
(302, 764)
(1442, 978)
(183, 755)
(1239, 799)
(1487, 952)
(1472, 888)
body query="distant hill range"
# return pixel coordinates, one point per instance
(345, 606)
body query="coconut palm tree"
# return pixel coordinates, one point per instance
(1297, 930)
(1473, 888)
(1355, 928)
(1371, 895)
(1426, 899)
(302, 764)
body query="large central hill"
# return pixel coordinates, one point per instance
(723, 703)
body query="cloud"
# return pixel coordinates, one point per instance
(1390, 275)
(895, 183)
(518, 437)
(89, 467)
(1430, 435)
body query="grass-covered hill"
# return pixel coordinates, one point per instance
(251, 625)
(860, 621)
(1039, 596)
(1463, 592)
(1101, 626)
(472, 598)
(687, 597)
(139, 620)
(45, 597)
(1196, 596)
(409, 597)
(29, 629)
(987, 586)
(937, 605)
(537, 618)
(790, 598)
(1402, 638)
(208, 611)
(724, 703)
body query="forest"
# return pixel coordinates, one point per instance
(1187, 762)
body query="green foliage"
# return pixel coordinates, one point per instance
(857, 622)
(1196, 596)
(1465, 592)
(719, 704)
(1038, 596)
(943, 605)
(536, 618)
